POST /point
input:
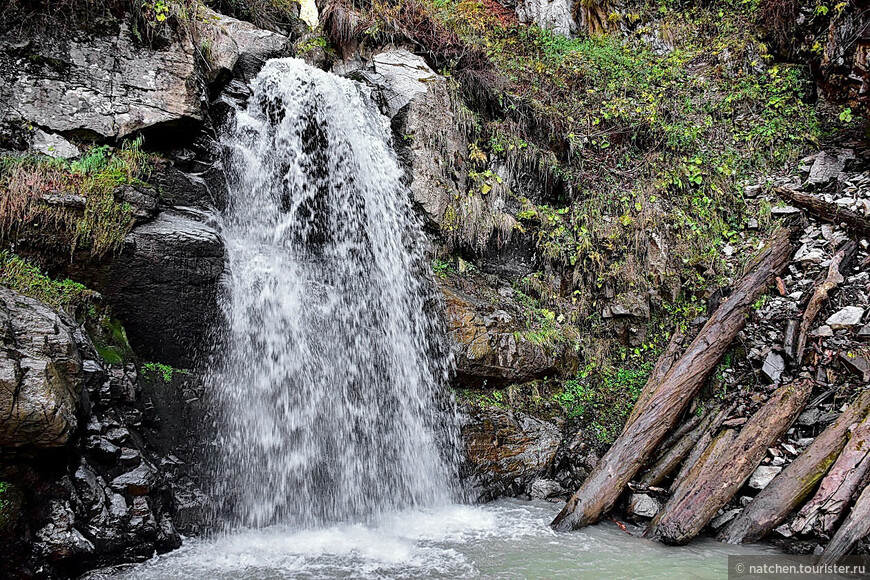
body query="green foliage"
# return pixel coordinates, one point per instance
(604, 402)
(34, 210)
(161, 371)
(27, 279)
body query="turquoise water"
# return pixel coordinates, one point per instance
(507, 539)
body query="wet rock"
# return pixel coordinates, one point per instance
(137, 482)
(59, 540)
(864, 333)
(164, 286)
(40, 373)
(642, 505)
(106, 85)
(773, 367)
(846, 318)
(142, 199)
(239, 47)
(545, 488)
(507, 451)
(762, 476)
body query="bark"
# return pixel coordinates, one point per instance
(663, 365)
(700, 447)
(829, 212)
(669, 399)
(820, 295)
(676, 454)
(797, 481)
(856, 526)
(678, 435)
(839, 486)
(714, 481)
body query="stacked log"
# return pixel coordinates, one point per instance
(713, 481)
(669, 398)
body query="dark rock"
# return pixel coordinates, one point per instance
(507, 451)
(857, 363)
(137, 482)
(164, 287)
(40, 374)
(142, 199)
(774, 366)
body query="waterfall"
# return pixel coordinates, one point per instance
(329, 382)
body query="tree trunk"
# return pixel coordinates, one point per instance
(663, 365)
(700, 447)
(856, 526)
(829, 212)
(795, 483)
(839, 486)
(714, 481)
(669, 399)
(820, 295)
(676, 454)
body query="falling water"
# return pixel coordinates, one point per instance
(328, 385)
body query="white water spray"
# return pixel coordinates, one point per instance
(329, 383)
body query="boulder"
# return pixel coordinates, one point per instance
(545, 488)
(402, 76)
(107, 86)
(827, 167)
(763, 475)
(489, 346)
(40, 372)
(507, 451)
(642, 505)
(53, 145)
(164, 286)
(428, 139)
(238, 47)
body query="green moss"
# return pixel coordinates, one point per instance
(27, 279)
(165, 373)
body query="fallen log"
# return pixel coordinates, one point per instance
(678, 452)
(820, 294)
(714, 481)
(797, 481)
(678, 435)
(829, 212)
(669, 399)
(700, 447)
(660, 370)
(839, 487)
(856, 526)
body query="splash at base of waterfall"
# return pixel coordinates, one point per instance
(507, 539)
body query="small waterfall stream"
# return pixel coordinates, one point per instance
(329, 386)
